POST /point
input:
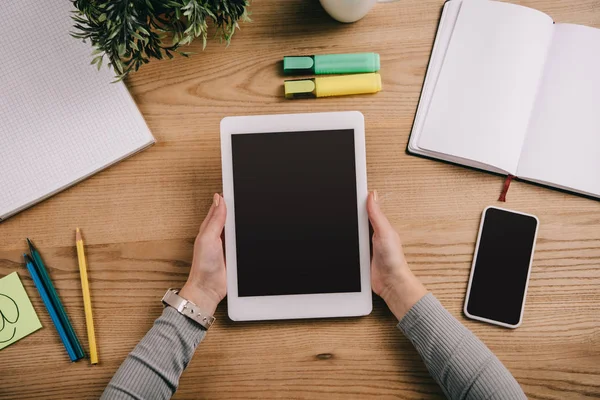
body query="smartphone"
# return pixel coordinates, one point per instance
(501, 267)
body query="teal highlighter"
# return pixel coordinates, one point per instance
(326, 64)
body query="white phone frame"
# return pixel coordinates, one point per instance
(490, 321)
(306, 305)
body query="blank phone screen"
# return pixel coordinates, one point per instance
(502, 266)
(296, 218)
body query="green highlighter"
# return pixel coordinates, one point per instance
(331, 64)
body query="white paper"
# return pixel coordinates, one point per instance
(438, 53)
(563, 143)
(484, 95)
(440, 47)
(62, 120)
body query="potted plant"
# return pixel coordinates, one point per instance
(129, 33)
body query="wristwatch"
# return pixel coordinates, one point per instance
(187, 308)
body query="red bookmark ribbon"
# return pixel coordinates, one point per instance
(507, 182)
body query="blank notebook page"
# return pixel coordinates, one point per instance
(563, 143)
(494, 62)
(61, 119)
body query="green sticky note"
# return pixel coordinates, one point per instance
(17, 316)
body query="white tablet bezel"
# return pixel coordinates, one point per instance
(306, 305)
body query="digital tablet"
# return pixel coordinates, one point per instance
(297, 231)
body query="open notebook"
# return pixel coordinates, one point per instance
(61, 119)
(509, 91)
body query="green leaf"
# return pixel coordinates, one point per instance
(113, 34)
(121, 49)
(119, 78)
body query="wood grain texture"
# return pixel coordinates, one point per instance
(140, 217)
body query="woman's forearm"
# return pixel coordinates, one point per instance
(153, 368)
(459, 362)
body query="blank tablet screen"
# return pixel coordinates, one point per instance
(296, 220)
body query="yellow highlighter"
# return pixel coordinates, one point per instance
(332, 86)
(87, 302)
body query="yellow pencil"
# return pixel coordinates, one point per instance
(87, 302)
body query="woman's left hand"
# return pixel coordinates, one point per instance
(207, 283)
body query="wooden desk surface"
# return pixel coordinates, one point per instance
(140, 217)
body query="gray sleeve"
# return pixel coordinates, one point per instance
(459, 362)
(153, 368)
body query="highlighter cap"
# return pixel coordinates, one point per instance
(299, 89)
(300, 65)
(331, 64)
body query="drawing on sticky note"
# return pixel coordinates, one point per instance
(6, 309)
(17, 315)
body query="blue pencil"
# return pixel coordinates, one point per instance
(60, 310)
(50, 307)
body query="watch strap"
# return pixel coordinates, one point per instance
(187, 308)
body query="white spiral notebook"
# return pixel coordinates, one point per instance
(61, 120)
(511, 92)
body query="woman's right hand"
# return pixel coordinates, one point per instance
(391, 278)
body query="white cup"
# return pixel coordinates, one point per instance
(349, 10)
